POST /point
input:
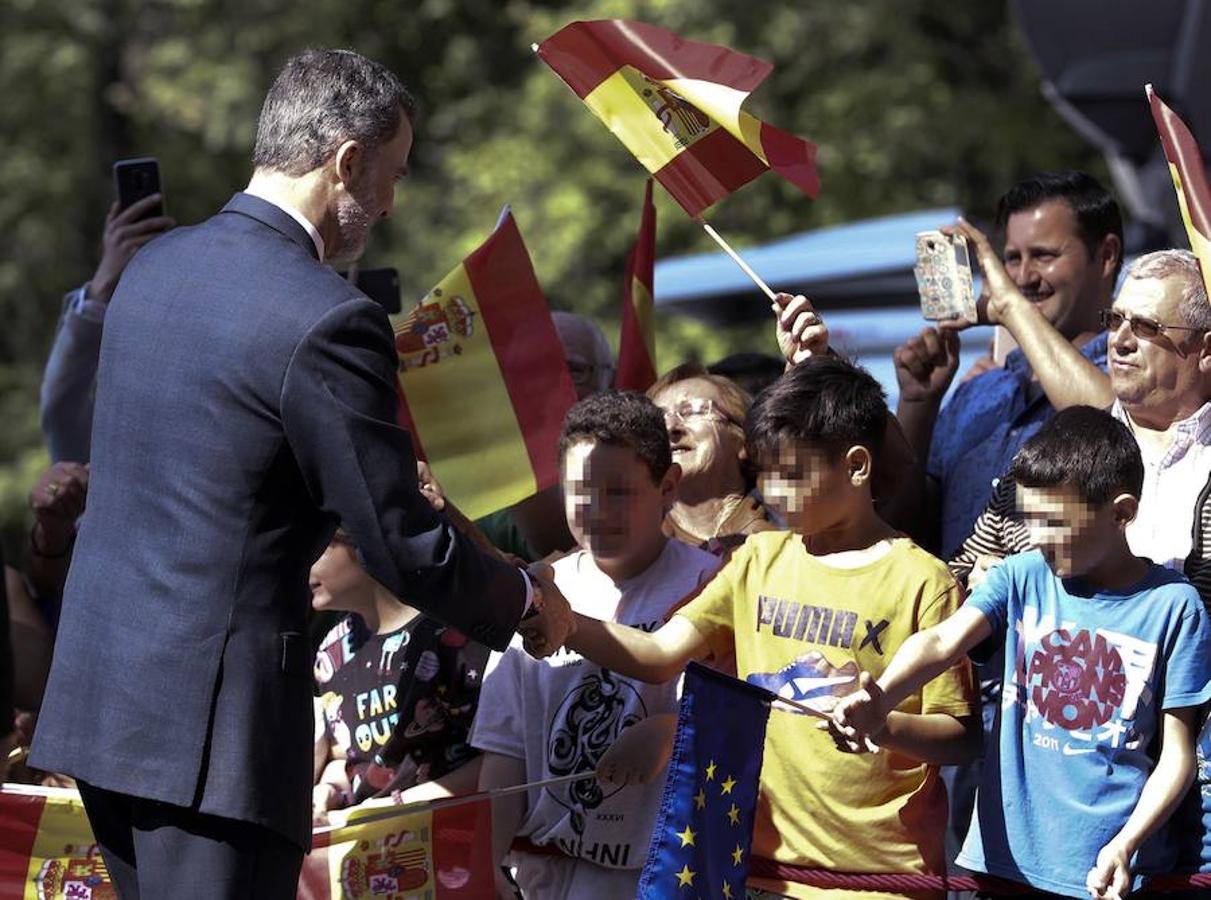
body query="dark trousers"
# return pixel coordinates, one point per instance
(155, 850)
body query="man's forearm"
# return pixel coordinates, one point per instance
(1065, 374)
(917, 419)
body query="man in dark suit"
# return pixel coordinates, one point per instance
(245, 406)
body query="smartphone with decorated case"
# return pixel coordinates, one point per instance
(943, 272)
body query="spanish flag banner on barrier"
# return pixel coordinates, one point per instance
(483, 382)
(675, 104)
(441, 852)
(637, 346)
(438, 852)
(1189, 178)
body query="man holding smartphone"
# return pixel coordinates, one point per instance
(245, 407)
(1063, 251)
(70, 376)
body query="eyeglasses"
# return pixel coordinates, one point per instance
(1147, 329)
(696, 408)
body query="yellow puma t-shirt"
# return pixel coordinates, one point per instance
(804, 630)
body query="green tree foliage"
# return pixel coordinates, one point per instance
(913, 103)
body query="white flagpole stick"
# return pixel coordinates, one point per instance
(388, 812)
(745, 267)
(804, 708)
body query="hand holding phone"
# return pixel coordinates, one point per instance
(136, 179)
(943, 273)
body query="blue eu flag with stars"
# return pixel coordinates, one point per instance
(700, 846)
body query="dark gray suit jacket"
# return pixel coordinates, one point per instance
(245, 405)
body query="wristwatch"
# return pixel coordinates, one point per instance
(536, 598)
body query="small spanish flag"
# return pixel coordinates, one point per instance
(675, 104)
(637, 346)
(1189, 178)
(483, 382)
(47, 847)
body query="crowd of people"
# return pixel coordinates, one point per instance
(994, 598)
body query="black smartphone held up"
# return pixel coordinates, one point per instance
(135, 179)
(381, 286)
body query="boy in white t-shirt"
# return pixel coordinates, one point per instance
(541, 718)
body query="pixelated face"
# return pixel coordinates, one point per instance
(705, 441)
(1159, 372)
(334, 576)
(613, 505)
(370, 195)
(808, 486)
(1070, 533)
(1050, 264)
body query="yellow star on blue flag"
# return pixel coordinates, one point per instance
(702, 838)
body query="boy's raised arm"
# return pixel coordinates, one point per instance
(655, 657)
(921, 658)
(1163, 791)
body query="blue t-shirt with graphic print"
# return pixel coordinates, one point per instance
(1086, 676)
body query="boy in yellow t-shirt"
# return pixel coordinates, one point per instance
(805, 612)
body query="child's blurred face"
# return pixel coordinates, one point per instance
(812, 488)
(334, 575)
(1072, 534)
(614, 507)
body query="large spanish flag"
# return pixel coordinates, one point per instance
(675, 104)
(483, 382)
(1189, 178)
(637, 346)
(47, 850)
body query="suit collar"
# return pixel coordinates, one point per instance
(272, 215)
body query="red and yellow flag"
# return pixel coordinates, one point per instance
(1189, 178)
(675, 104)
(442, 853)
(483, 382)
(637, 346)
(434, 852)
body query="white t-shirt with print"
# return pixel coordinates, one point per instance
(560, 714)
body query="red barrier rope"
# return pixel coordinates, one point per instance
(824, 878)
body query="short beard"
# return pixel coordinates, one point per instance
(353, 226)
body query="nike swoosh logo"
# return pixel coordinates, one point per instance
(807, 684)
(1077, 751)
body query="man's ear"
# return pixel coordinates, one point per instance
(1126, 507)
(1110, 254)
(348, 162)
(858, 464)
(668, 486)
(1204, 354)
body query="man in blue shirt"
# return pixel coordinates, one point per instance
(1063, 250)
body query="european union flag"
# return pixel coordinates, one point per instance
(701, 842)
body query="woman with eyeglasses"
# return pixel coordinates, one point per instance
(715, 506)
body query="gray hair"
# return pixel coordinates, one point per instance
(1160, 264)
(321, 99)
(573, 326)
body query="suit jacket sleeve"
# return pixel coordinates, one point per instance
(338, 411)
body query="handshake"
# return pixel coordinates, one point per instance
(549, 622)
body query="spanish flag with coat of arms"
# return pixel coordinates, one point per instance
(675, 104)
(482, 378)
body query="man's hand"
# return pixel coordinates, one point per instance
(544, 633)
(429, 488)
(125, 233)
(859, 717)
(1000, 294)
(1110, 877)
(324, 798)
(926, 364)
(57, 499)
(979, 571)
(799, 329)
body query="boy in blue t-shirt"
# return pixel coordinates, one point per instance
(1105, 654)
